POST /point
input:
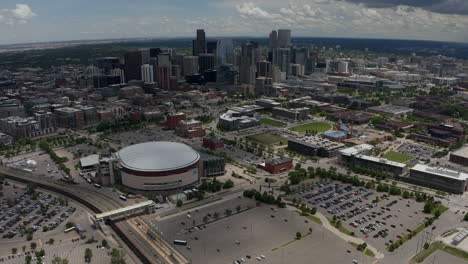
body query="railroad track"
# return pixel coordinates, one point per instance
(87, 198)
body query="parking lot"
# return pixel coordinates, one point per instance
(40, 216)
(378, 222)
(264, 232)
(419, 151)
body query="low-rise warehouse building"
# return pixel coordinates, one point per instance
(292, 114)
(394, 110)
(278, 165)
(440, 178)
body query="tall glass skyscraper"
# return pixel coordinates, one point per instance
(225, 51)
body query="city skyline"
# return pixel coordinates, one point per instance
(31, 21)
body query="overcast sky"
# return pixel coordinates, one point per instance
(51, 20)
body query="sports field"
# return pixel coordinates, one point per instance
(320, 127)
(272, 122)
(397, 157)
(267, 139)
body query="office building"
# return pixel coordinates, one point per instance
(264, 69)
(273, 40)
(107, 64)
(200, 43)
(225, 52)
(206, 62)
(249, 57)
(439, 178)
(120, 73)
(460, 156)
(69, 117)
(236, 118)
(147, 73)
(132, 66)
(284, 38)
(213, 143)
(191, 65)
(190, 129)
(267, 103)
(282, 59)
(314, 146)
(211, 166)
(358, 157)
(264, 86)
(164, 74)
(278, 165)
(173, 120)
(211, 46)
(295, 114)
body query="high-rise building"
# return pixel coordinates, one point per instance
(154, 52)
(343, 67)
(206, 62)
(284, 38)
(133, 62)
(120, 73)
(249, 57)
(211, 46)
(190, 65)
(300, 55)
(225, 52)
(273, 40)
(264, 69)
(200, 44)
(107, 63)
(147, 73)
(283, 59)
(164, 74)
(264, 86)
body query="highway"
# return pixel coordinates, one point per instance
(96, 200)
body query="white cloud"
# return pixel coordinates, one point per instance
(20, 15)
(319, 17)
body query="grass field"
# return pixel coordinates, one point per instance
(272, 122)
(397, 157)
(315, 219)
(267, 139)
(315, 126)
(421, 256)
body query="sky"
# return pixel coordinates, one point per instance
(56, 20)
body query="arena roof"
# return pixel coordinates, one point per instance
(157, 156)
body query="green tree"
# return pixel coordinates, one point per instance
(117, 256)
(298, 235)
(179, 203)
(14, 250)
(33, 245)
(88, 255)
(238, 208)
(465, 217)
(28, 259)
(51, 241)
(104, 243)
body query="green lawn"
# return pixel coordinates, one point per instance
(421, 256)
(397, 157)
(267, 139)
(271, 122)
(315, 219)
(320, 127)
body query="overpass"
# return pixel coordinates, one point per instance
(146, 206)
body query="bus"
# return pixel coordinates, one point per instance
(123, 197)
(68, 230)
(180, 242)
(97, 185)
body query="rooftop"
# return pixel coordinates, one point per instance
(157, 156)
(391, 109)
(441, 171)
(461, 152)
(356, 149)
